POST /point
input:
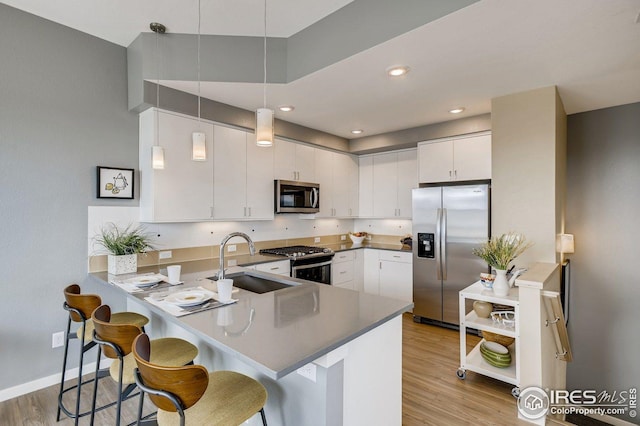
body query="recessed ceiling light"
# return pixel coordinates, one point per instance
(456, 110)
(286, 108)
(357, 131)
(397, 71)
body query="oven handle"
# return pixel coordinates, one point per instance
(313, 265)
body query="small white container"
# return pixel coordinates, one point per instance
(225, 287)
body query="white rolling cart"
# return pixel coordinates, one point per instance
(473, 360)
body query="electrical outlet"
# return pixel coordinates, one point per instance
(231, 248)
(343, 237)
(165, 254)
(57, 339)
(308, 371)
(232, 262)
(316, 240)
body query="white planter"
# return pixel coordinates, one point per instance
(500, 284)
(125, 264)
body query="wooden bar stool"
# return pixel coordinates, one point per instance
(191, 394)
(116, 341)
(80, 307)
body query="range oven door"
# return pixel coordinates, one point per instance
(317, 271)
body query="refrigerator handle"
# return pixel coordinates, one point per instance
(438, 243)
(443, 244)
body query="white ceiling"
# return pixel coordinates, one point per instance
(590, 49)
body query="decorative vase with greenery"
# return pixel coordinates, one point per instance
(499, 252)
(123, 245)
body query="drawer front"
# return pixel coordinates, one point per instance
(344, 256)
(342, 272)
(281, 267)
(396, 256)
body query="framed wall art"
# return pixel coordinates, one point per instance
(115, 183)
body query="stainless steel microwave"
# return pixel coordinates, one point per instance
(296, 197)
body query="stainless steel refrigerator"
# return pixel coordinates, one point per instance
(448, 222)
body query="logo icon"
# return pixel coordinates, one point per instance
(533, 403)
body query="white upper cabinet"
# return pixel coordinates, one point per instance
(337, 175)
(455, 159)
(386, 181)
(183, 190)
(294, 161)
(243, 176)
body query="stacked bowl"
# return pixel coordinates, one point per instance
(495, 354)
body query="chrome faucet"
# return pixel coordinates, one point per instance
(252, 249)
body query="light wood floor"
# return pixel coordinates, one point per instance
(432, 394)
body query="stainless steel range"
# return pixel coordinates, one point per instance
(307, 262)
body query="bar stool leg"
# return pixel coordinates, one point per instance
(64, 368)
(95, 386)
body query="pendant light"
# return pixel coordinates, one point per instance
(157, 152)
(198, 139)
(264, 115)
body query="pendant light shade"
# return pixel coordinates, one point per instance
(157, 157)
(264, 127)
(199, 149)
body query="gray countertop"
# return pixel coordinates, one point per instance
(280, 331)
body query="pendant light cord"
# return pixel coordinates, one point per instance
(265, 56)
(157, 91)
(199, 126)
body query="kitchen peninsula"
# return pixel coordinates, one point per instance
(326, 355)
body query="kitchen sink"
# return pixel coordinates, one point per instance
(254, 283)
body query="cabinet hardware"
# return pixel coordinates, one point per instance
(343, 272)
(245, 212)
(380, 265)
(274, 268)
(455, 174)
(211, 208)
(249, 211)
(449, 174)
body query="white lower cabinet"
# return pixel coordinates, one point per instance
(280, 267)
(347, 268)
(389, 273)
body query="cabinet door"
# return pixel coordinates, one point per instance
(342, 185)
(358, 269)
(230, 166)
(396, 280)
(284, 160)
(353, 180)
(365, 183)
(183, 190)
(385, 185)
(472, 158)
(259, 181)
(324, 176)
(371, 274)
(435, 162)
(305, 163)
(407, 181)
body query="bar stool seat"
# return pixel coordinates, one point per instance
(116, 318)
(167, 351)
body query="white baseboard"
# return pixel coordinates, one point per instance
(54, 379)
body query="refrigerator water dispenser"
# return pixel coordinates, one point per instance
(425, 245)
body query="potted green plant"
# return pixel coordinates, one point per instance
(499, 252)
(123, 246)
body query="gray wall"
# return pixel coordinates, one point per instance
(63, 111)
(603, 201)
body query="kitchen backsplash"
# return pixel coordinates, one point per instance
(193, 241)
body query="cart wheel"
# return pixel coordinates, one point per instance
(515, 392)
(461, 374)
